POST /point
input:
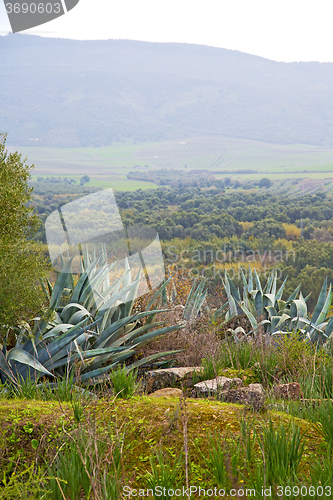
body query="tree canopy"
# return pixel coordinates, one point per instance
(21, 262)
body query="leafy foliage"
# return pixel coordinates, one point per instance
(267, 312)
(21, 262)
(91, 334)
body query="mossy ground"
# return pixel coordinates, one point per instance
(30, 432)
(148, 424)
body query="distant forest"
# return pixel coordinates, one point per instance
(209, 230)
(68, 93)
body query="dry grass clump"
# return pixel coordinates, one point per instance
(197, 340)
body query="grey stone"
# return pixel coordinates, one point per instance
(216, 385)
(258, 388)
(245, 396)
(287, 391)
(181, 378)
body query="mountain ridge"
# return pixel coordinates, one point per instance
(89, 93)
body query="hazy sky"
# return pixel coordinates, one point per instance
(283, 30)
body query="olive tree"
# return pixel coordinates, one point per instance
(21, 262)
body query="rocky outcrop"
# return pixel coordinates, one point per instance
(176, 382)
(216, 385)
(252, 396)
(287, 391)
(181, 378)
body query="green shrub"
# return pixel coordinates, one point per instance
(124, 382)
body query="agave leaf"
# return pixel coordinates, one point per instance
(148, 313)
(5, 370)
(112, 331)
(269, 282)
(95, 268)
(117, 296)
(164, 297)
(130, 335)
(271, 311)
(264, 322)
(329, 327)
(66, 350)
(273, 288)
(132, 294)
(59, 286)
(279, 293)
(25, 358)
(109, 316)
(233, 289)
(323, 313)
(281, 305)
(70, 280)
(64, 340)
(79, 316)
(127, 273)
(245, 289)
(250, 287)
(64, 327)
(118, 284)
(69, 310)
(293, 295)
(233, 311)
(150, 358)
(195, 301)
(95, 376)
(258, 301)
(191, 294)
(258, 284)
(94, 282)
(283, 319)
(309, 323)
(268, 300)
(219, 311)
(95, 353)
(298, 308)
(86, 258)
(313, 332)
(320, 302)
(227, 288)
(116, 355)
(156, 333)
(251, 306)
(251, 318)
(275, 321)
(80, 285)
(198, 304)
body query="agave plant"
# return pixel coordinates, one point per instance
(195, 300)
(95, 330)
(266, 311)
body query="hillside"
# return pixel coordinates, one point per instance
(91, 93)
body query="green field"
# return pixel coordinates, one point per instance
(222, 156)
